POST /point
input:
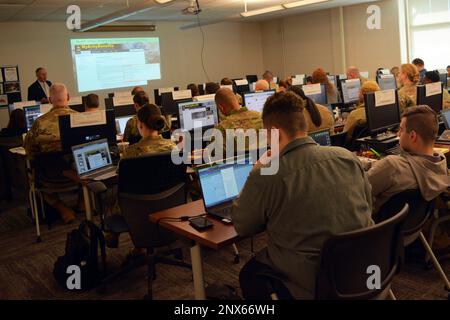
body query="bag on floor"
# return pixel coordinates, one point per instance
(78, 269)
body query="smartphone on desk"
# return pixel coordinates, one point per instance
(200, 223)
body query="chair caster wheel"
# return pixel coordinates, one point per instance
(38, 239)
(236, 259)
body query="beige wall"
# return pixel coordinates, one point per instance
(231, 49)
(298, 44)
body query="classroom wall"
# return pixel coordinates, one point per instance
(299, 44)
(231, 49)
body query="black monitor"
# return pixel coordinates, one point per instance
(251, 78)
(77, 107)
(425, 96)
(201, 89)
(350, 91)
(31, 113)
(74, 136)
(382, 116)
(322, 137)
(443, 77)
(446, 118)
(255, 100)
(169, 105)
(122, 110)
(387, 82)
(241, 89)
(319, 98)
(158, 95)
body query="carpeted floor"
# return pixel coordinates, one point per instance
(26, 266)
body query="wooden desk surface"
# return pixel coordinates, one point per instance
(220, 235)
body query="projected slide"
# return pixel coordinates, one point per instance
(115, 63)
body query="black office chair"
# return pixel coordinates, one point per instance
(149, 184)
(420, 211)
(359, 132)
(46, 176)
(345, 258)
(9, 168)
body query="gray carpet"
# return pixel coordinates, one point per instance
(26, 266)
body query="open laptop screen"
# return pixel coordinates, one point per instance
(91, 156)
(223, 183)
(322, 137)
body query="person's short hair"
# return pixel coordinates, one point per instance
(136, 90)
(369, 87)
(267, 73)
(433, 76)
(226, 82)
(211, 88)
(150, 116)
(424, 121)
(39, 69)
(17, 119)
(194, 89)
(141, 98)
(285, 110)
(225, 97)
(91, 101)
(418, 62)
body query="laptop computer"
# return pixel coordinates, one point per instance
(445, 136)
(93, 160)
(221, 185)
(322, 137)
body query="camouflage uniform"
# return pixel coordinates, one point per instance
(407, 96)
(356, 118)
(446, 98)
(44, 134)
(131, 130)
(240, 119)
(44, 137)
(149, 145)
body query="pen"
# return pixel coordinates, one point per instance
(376, 153)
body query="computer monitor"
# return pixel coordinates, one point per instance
(121, 123)
(382, 111)
(79, 135)
(443, 76)
(322, 137)
(387, 82)
(241, 86)
(122, 106)
(255, 100)
(158, 93)
(332, 79)
(316, 92)
(446, 118)
(431, 95)
(251, 78)
(169, 105)
(197, 115)
(350, 90)
(31, 113)
(364, 74)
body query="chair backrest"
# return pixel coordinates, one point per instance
(146, 185)
(419, 210)
(345, 260)
(360, 131)
(338, 139)
(50, 166)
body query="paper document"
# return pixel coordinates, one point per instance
(383, 98)
(85, 119)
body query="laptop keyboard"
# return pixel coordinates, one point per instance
(105, 176)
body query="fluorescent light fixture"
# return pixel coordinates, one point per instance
(302, 3)
(124, 13)
(261, 11)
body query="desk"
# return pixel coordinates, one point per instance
(219, 236)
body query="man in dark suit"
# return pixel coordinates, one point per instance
(40, 89)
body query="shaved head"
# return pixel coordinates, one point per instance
(226, 101)
(262, 85)
(59, 96)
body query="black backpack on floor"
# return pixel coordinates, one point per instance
(81, 252)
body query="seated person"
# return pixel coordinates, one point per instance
(284, 84)
(358, 116)
(91, 103)
(44, 137)
(236, 117)
(211, 88)
(320, 76)
(408, 79)
(262, 85)
(268, 76)
(317, 116)
(309, 80)
(417, 167)
(131, 132)
(194, 89)
(353, 73)
(150, 124)
(432, 77)
(290, 205)
(16, 125)
(229, 82)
